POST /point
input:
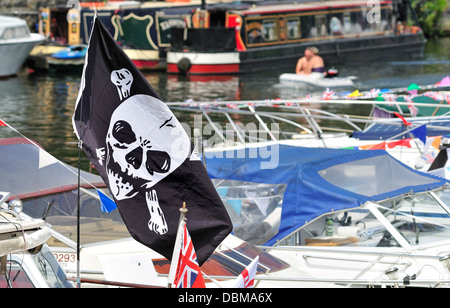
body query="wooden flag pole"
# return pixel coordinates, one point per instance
(183, 211)
(177, 247)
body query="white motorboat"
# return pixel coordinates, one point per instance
(25, 259)
(16, 42)
(317, 80)
(349, 217)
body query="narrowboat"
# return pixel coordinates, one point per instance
(275, 36)
(141, 28)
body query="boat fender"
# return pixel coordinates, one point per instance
(184, 65)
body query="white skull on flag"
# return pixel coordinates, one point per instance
(144, 144)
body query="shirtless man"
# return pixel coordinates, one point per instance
(310, 63)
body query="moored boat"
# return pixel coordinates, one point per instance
(352, 217)
(272, 37)
(16, 42)
(141, 28)
(70, 58)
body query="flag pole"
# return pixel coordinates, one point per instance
(78, 215)
(80, 146)
(177, 247)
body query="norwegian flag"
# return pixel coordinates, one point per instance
(247, 278)
(328, 94)
(188, 274)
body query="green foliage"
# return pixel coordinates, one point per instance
(429, 13)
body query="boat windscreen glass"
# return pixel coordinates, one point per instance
(254, 208)
(374, 176)
(417, 219)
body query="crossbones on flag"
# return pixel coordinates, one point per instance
(143, 154)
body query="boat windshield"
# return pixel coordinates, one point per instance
(20, 276)
(60, 211)
(232, 261)
(13, 33)
(411, 220)
(254, 208)
(50, 269)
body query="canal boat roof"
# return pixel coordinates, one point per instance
(306, 6)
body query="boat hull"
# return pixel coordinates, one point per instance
(284, 57)
(204, 63)
(14, 54)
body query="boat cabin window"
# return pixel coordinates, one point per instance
(294, 28)
(417, 220)
(15, 33)
(270, 30)
(320, 28)
(261, 31)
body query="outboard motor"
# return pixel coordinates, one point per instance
(331, 73)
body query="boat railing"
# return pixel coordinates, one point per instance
(285, 117)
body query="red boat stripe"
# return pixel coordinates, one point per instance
(206, 68)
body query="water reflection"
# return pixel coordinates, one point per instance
(40, 106)
(174, 88)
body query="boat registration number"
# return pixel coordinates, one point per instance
(65, 258)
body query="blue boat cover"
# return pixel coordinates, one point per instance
(320, 180)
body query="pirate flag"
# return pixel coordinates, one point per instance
(143, 154)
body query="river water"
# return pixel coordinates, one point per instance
(40, 106)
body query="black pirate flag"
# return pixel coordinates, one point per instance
(143, 154)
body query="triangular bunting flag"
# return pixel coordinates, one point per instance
(106, 204)
(445, 82)
(45, 159)
(420, 133)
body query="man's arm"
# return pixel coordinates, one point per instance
(299, 66)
